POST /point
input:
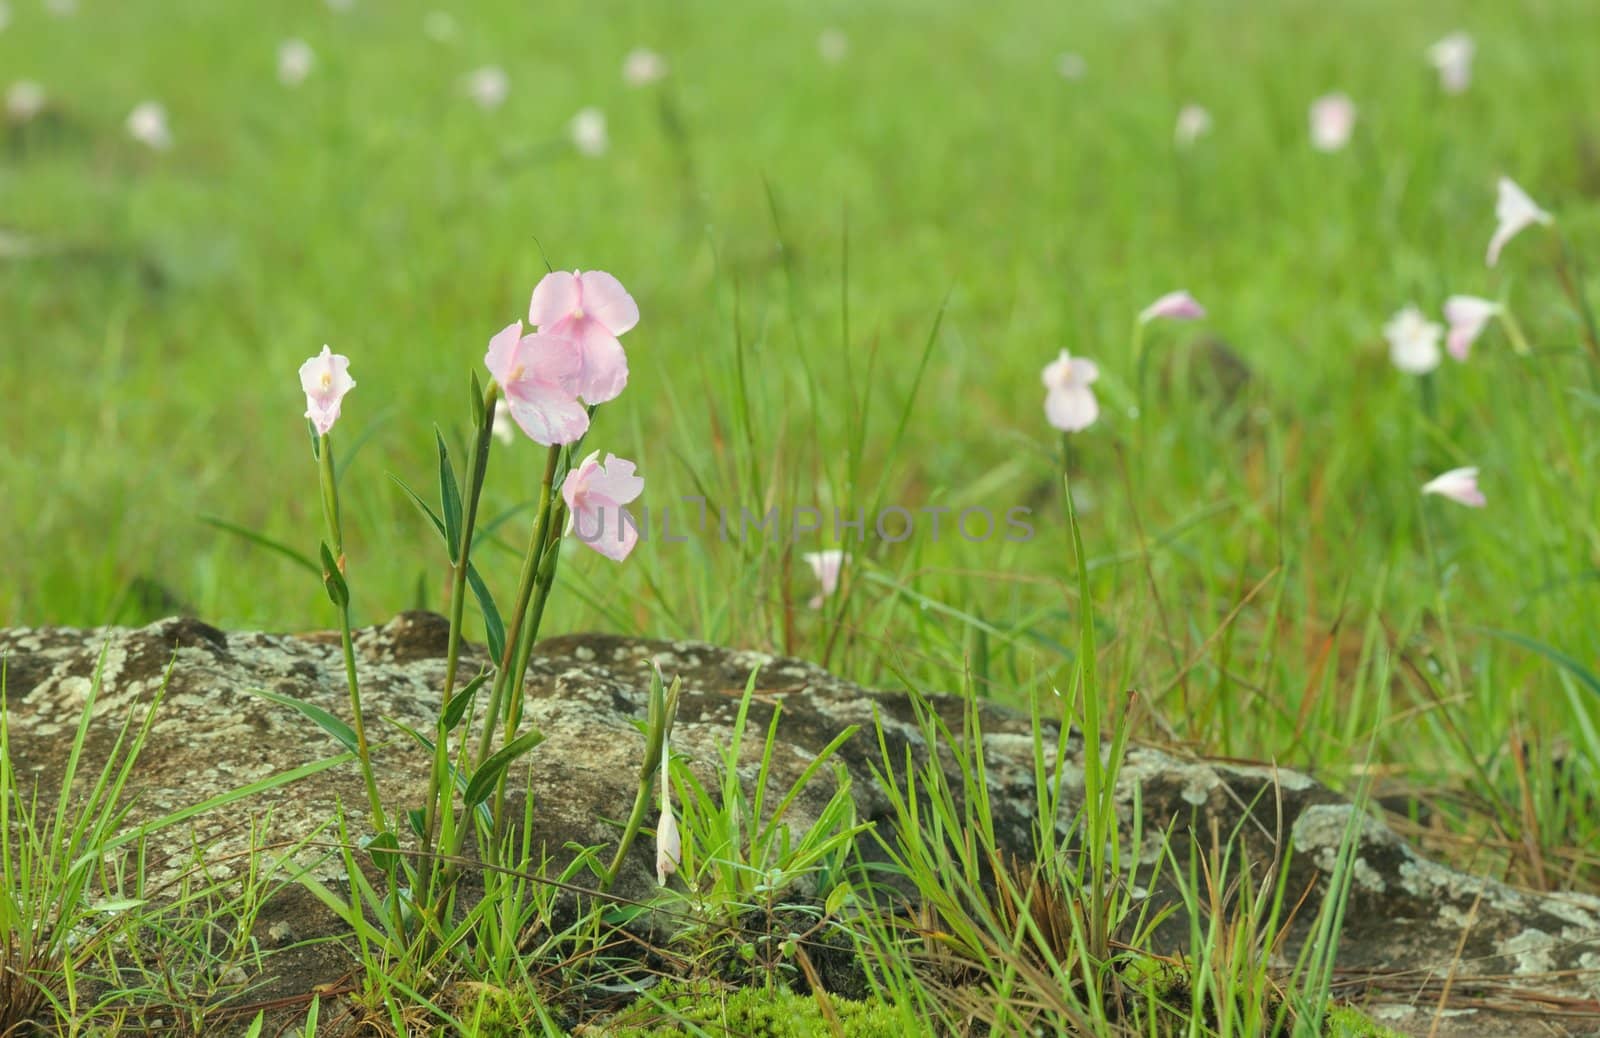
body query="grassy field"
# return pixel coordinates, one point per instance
(796, 231)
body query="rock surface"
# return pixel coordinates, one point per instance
(1411, 924)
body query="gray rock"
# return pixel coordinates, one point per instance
(1404, 924)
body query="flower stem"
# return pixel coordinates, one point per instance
(477, 469)
(330, 514)
(530, 570)
(1519, 342)
(641, 804)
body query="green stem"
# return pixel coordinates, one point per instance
(641, 804)
(477, 469)
(330, 514)
(530, 570)
(1519, 342)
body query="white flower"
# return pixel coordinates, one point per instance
(669, 844)
(1452, 56)
(833, 45)
(643, 66)
(147, 124)
(1467, 316)
(488, 86)
(24, 100)
(1333, 117)
(1194, 122)
(1413, 341)
(1069, 403)
(1513, 211)
(295, 59)
(1459, 485)
(1071, 66)
(825, 566)
(588, 132)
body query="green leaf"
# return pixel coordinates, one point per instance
(414, 818)
(326, 721)
(449, 500)
(333, 580)
(461, 700)
(384, 848)
(1567, 663)
(263, 541)
(494, 628)
(489, 773)
(438, 524)
(456, 776)
(479, 412)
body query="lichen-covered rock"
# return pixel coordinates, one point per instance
(213, 732)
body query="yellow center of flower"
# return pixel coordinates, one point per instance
(577, 313)
(327, 380)
(516, 373)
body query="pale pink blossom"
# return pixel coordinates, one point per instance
(825, 566)
(147, 124)
(538, 375)
(1513, 212)
(1467, 316)
(1459, 485)
(595, 493)
(488, 86)
(643, 66)
(1194, 122)
(669, 843)
(1174, 306)
(295, 59)
(588, 132)
(1069, 403)
(1452, 56)
(25, 99)
(591, 308)
(1333, 118)
(1413, 341)
(325, 379)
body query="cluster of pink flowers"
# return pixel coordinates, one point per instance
(550, 378)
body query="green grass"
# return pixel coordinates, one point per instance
(1262, 566)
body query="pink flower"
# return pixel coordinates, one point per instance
(1333, 117)
(1513, 210)
(1459, 485)
(826, 566)
(1467, 316)
(326, 379)
(1413, 341)
(591, 308)
(1175, 306)
(595, 494)
(1069, 403)
(1452, 56)
(538, 374)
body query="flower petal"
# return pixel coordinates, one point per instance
(1071, 408)
(616, 480)
(555, 297)
(501, 358)
(605, 300)
(546, 414)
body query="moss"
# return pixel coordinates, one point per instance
(679, 1010)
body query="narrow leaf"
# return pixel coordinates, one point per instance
(333, 580)
(449, 500)
(494, 627)
(488, 774)
(1567, 663)
(427, 510)
(383, 848)
(461, 700)
(263, 541)
(326, 721)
